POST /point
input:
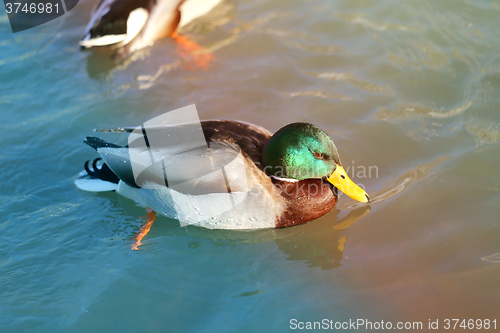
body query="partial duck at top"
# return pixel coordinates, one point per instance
(125, 26)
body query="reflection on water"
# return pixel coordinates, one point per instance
(485, 131)
(495, 258)
(320, 245)
(323, 244)
(409, 111)
(397, 185)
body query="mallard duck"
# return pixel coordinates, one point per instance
(240, 176)
(129, 25)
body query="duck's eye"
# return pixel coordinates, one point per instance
(342, 176)
(319, 156)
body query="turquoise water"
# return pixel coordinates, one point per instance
(409, 88)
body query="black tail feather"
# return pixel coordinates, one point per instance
(104, 173)
(95, 143)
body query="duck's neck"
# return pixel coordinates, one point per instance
(307, 200)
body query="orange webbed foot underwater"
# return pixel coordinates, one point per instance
(194, 56)
(148, 223)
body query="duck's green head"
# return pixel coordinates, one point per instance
(303, 151)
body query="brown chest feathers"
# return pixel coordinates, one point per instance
(307, 200)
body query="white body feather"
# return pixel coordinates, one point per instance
(212, 211)
(214, 187)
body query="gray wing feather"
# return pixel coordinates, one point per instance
(200, 170)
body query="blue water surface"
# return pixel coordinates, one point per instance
(411, 88)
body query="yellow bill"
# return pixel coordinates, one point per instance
(340, 180)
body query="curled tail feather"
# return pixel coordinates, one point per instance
(97, 179)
